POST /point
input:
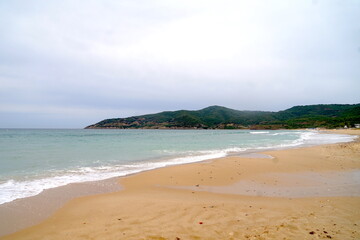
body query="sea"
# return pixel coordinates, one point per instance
(32, 160)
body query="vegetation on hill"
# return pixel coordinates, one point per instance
(217, 117)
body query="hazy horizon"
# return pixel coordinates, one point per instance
(71, 64)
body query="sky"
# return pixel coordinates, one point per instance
(72, 63)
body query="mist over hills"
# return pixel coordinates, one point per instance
(218, 117)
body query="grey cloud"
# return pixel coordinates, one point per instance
(122, 58)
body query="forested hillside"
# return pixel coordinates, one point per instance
(217, 117)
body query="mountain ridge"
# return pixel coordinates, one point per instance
(219, 117)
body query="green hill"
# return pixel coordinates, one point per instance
(217, 117)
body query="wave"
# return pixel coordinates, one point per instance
(285, 133)
(14, 189)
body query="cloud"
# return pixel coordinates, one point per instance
(131, 57)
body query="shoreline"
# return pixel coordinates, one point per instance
(25, 212)
(134, 188)
(165, 161)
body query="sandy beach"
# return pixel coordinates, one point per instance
(304, 193)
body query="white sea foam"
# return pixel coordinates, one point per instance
(284, 133)
(12, 189)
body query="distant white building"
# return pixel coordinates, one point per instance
(357, 125)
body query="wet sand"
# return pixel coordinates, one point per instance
(173, 202)
(25, 212)
(293, 185)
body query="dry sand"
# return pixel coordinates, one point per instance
(173, 202)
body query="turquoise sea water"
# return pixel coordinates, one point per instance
(34, 160)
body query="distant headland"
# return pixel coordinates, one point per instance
(217, 117)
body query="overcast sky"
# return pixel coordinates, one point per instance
(69, 64)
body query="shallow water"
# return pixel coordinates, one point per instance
(34, 160)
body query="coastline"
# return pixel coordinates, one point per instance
(148, 194)
(24, 212)
(73, 160)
